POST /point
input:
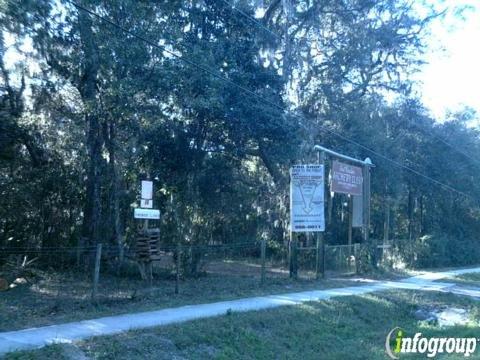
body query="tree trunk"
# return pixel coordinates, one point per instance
(114, 218)
(88, 90)
(410, 214)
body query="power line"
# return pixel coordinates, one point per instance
(439, 138)
(456, 149)
(277, 36)
(255, 95)
(251, 19)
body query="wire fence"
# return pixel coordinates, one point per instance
(342, 258)
(178, 262)
(88, 280)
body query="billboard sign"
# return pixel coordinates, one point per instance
(346, 179)
(307, 200)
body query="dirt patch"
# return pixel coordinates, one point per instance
(73, 352)
(446, 316)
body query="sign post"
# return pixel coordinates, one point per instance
(354, 181)
(320, 243)
(146, 239)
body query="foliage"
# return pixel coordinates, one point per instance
(105, 109)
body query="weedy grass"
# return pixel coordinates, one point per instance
(58, 297)
(469, 279)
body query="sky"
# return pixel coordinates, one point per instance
(451, 79)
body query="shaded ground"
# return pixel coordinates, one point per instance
(341, 328)
(52, 297)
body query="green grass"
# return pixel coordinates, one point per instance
(342, 328)
(471, 279)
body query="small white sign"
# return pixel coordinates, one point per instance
(146, 203)
(146, 214)
(147, 189)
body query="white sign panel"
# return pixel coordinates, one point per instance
(146, 203)
(146, 214)
(357, 218)
(307, 198)
(147, 189)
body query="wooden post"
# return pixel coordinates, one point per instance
(290, 264)
(263, 249)
(96, 273)
(177, 269)
(80, 248)
(386, 227)
(320, 257)
(356, 254)
(366, 203)
(350, 223)
(293, 256)
(320, 243)
(350, 229)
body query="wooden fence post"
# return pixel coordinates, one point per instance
(356, 250)
(295, 257)
(320, 257)
(263, 250)
(177, 269)
(96, 273)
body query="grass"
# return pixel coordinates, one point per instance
(56, 297)
(468, 279)
(342, 328)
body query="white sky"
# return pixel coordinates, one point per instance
(451, 79)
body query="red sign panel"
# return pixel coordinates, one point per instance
(347, 179)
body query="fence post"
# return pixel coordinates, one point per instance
(177, 266)
(96, 273)
(320, 257)
(294, 251)
(290, 255)
(356, 254)
(263, 249)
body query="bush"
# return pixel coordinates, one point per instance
(439, 250)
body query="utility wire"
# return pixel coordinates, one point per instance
(251, 19)
(255, 95)
(277, 36)
(453, 147)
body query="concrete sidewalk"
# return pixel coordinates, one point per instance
(66, 333)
